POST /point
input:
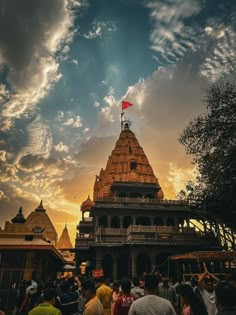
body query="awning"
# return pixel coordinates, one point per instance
(208, 255)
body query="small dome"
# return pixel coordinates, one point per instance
(87, 204)
(19, 218)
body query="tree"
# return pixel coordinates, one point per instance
(211, 139)
(191, 194)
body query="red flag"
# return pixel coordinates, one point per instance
(126, 105)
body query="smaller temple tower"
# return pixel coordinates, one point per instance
(64, 246)
(39, 220)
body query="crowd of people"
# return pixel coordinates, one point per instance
(154, 294)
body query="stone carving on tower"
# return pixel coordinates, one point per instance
(127, 164)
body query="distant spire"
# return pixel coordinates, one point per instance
(64, 240)
(19, 218)
(40, 208)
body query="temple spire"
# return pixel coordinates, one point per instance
(127, 164)
(19, 218)
(64, 240)
(40, 208)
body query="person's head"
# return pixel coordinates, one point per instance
(99, 280)
(49, 296)
(179, 278)
(208, 285)
(225, 295)
(150, 283)
(165, 281)
(186, 293)
(188, 297)
(126, 286)
(88, 289)
(135, 281)
(116, 286)
(31, 290)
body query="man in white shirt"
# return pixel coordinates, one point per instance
(207, 291)
(151, 304)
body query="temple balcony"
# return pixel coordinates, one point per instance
(84, 240)
(137, 202)
(86, 225)
(155, 235)
(137, 234)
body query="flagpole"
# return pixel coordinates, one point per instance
(121, 119)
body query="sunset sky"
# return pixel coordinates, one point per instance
(65, 67)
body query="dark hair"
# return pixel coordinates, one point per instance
(100, 279)
(225, 294)
(151, 282)
(126, 286)
(197, 308)
(135, 281)
(116, 285)
(49, 294)
(88, 285)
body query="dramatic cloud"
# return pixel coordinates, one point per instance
(60, 147)
(99, 28)
(170, 37)
(73, 122)
(30, 35)
(220, 62)
(39, 139)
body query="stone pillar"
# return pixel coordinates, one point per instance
(121, 221)
(109, 221)
(133, 262)
(134, 220)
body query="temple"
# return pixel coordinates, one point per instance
(129, 228)
(29, 249)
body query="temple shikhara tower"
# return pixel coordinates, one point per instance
(128, 227)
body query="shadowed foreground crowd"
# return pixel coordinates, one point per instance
(153, 295)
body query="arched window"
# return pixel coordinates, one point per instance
(170, 222)
(133, 165)
(143, 221)
(103, 221)
(115, 222)
(127, 221)
(158, 221)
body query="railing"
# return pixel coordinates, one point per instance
(142, 200)
(145, 234)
